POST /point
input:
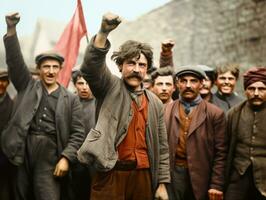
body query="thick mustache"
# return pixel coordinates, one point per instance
(188, 90)
(135, 76)
(256, 98)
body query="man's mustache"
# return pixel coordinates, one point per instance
(256, 98)
(189, 90)
(135, 75)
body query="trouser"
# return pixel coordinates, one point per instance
(81, 181)
(180, 187)
(122, 185)
(242, 187)
(7, 174)
(35, 180)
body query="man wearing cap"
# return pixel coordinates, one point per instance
(226, 77)
(207, 84)
(196, 136)
(246, 162)
(128, 145)
(46, 127)
(6, 169)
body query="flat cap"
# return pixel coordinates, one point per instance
(3, 73)
(49, 54)
(191, 69)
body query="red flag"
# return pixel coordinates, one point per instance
(68, 44)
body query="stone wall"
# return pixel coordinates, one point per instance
(208, 32)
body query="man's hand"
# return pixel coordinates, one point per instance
(109, 22)
(167, 45)
(61, 168)
(161, 193)
(215, 194)
(11, 21)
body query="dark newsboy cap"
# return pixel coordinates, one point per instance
(3, 74)
(191, 69)
(49, 54)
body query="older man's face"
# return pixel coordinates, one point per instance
(256, 93)
(189, 87)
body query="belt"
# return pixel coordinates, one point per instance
(125, 165)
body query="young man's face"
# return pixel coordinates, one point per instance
(256, 93)
(134, 71)
(164, 87)
(189, 87)
(206, 87)
(83, 88)
(3, 86)
(226, 83)
(49, 71)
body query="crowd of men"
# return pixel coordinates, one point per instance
(154, 133)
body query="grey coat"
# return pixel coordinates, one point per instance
(69, 125)
(114, 115)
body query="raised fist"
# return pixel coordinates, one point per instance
(167, 45)
(109, 22)
(12, 19)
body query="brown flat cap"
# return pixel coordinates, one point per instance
(3, 73)
(49, 54)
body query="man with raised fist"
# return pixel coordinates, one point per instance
(128, 145)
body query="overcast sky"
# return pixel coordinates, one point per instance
(62, 11)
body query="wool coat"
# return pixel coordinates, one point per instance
(69, 124)
(114, 114)
(259, 161)
(205, 146)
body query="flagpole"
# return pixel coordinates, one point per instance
(87, 38)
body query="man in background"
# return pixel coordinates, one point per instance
(6, 169)
(226, 77)
(163, 84)
(246, 162)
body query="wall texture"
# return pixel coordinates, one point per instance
(208, 32)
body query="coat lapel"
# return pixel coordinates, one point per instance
(198, 118)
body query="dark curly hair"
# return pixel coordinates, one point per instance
(131, 49)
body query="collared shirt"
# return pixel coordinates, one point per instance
(44, 119)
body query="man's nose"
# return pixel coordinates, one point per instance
(51, 70)
(188, 85)
(136, 68)
(226, 80)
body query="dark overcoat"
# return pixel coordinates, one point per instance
(69, 125)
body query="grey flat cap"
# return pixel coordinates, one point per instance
(49, 54)
(191, 69)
